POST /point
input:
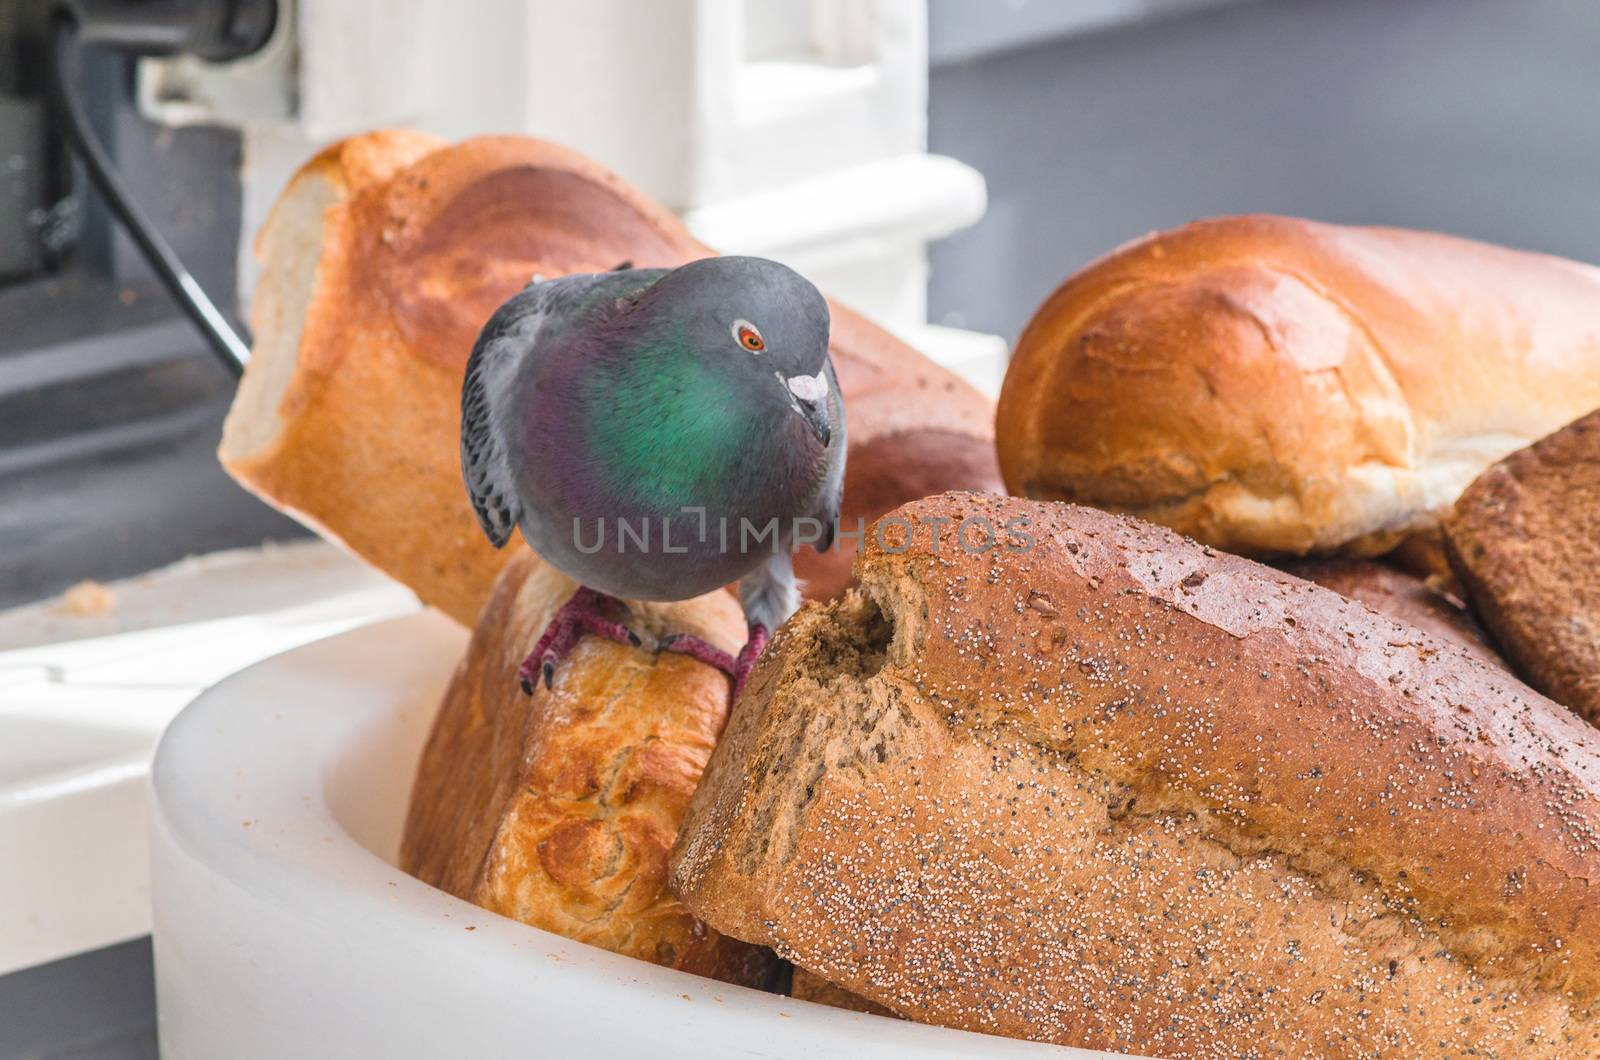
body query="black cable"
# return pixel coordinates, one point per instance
(232, 350)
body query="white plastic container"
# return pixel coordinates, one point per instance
(283, 929)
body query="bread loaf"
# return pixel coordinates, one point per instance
(1399, 596)
(1272, 385)
(558, 809)
(1100, 785)
(1525, 541)
(381, 261)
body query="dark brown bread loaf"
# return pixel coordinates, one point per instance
(1525, 541)
(1401, 596)
(1117, 790)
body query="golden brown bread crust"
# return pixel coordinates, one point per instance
(1122, 791)
(1400, 596)
(558, 809)
(1525, 541)
(384, 257)
(1269, 384)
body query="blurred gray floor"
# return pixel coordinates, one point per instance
(96, 1006)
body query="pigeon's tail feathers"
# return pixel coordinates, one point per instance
(770, 593)
(484, 461)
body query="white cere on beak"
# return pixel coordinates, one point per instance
(809, 387)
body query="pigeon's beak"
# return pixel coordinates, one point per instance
(810, 394)
(816, 416)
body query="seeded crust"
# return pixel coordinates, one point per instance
(1123, 792)
(558, 809)
(1525, 541)
(1401, 597)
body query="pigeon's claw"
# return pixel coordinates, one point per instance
(586, 612)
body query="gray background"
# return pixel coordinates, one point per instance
(1479, 117)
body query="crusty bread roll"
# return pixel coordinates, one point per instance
(1525, 541)
(1104, 786)
(1267, 384)
(1400, 596)
(558, 809)
(383, 258)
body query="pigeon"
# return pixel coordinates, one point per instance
(656, 434)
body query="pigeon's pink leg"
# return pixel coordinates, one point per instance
(753, 647)
(584, 613)
(695, 648)
(737, 668)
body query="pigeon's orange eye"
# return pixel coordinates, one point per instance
(746, 335)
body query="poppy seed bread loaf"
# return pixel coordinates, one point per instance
(1100, 785)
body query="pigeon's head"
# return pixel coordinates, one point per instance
(761, 323)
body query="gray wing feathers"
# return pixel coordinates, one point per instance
(484, 462)
(540, 313)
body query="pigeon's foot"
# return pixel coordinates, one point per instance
(737, 667)
(586, 612)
